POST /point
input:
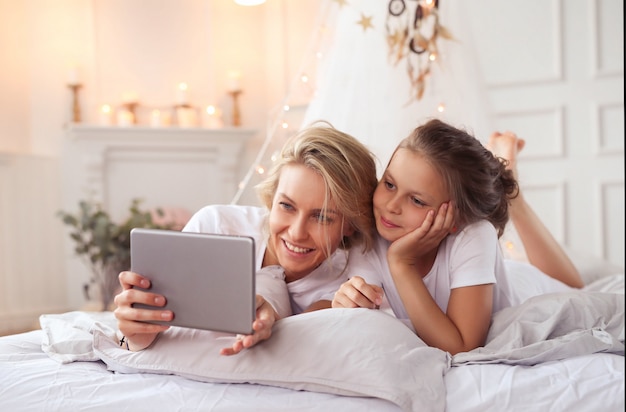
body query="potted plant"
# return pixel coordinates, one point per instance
(105, 244)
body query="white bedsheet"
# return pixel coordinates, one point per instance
(31, 381)
(572, 361)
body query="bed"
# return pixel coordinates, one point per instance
(561, 351)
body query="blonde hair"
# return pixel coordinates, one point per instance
(348, 169)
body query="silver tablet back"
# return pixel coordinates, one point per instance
(207, 279)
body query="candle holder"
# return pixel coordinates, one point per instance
(236, 114)
(75, 105)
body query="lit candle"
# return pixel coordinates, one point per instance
(155, 118)
(125, 118)
(212, 117)
(106, 115)
(181, 94)
(186, 117)
(233, 81)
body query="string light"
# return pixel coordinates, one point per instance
(275, 117)
(276, 120)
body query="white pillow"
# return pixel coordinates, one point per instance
(352, 352)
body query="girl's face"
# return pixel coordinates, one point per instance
(301, 232)
(408, 189)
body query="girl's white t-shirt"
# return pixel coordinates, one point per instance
(321, 284)
(470, 257)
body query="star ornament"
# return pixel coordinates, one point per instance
(341, 3)
(365, 22)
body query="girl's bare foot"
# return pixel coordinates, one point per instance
(506, 145)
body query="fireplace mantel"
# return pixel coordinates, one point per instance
(165, 167)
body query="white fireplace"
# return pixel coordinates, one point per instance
(168, 167)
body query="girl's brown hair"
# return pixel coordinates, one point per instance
(478, 182)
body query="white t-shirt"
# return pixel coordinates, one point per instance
(469, 257)
(321, 284)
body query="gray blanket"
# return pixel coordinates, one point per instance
(553, 327)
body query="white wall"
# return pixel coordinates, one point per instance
(560, 86)
(554, 73)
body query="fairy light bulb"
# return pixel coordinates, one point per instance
(304, 78)
(441, 107)
(260, 170)
(285, 125)
(286, 108)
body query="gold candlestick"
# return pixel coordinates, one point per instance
(75, 104)
(236, 114)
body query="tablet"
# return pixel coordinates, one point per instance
(207, 279)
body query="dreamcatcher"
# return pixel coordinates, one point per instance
(412, 31)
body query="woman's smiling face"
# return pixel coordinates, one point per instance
(304, 226)
(408, 189)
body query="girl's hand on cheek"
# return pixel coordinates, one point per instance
(425, 238)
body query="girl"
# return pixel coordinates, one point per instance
(444, 275)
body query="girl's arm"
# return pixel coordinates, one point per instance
(465, 325)
(463, 328)
(541, 247)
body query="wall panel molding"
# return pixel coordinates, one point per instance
(534, 58)
(544, 125)
(609, 121)
(607, 26)
(610, 221)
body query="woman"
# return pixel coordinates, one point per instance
(445, 275)
(317, 199)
